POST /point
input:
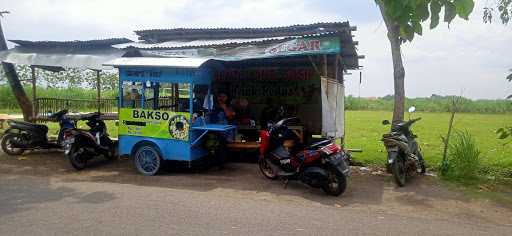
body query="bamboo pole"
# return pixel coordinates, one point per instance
(34, 95)
(98, 87)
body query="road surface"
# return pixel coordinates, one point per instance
(41, 195)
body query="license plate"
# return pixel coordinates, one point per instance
(67, 145)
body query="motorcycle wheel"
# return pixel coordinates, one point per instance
(399, 172)
(77, 160)
(112, 154)
(7, 142)
(422, 163)
(336, 183)
(266, 169)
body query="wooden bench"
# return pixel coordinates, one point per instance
(243, 145)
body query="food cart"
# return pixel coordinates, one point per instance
(168, 82)
(155, 124)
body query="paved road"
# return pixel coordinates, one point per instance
(111, 199)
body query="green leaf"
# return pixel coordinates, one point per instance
(503, 135)
(449, 12)
(407, 32)
(464, 8)
(394, 8)
(422, 10)
(435, 9)
(417, 27)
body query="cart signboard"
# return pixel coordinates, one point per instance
(154, 123)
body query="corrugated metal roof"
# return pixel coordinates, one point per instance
(72, 44)
(157, 62)
(162, 35)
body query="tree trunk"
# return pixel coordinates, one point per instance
(17, 89)
(398, 66)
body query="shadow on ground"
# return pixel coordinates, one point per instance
(364, 188)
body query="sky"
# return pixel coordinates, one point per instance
(467, 58)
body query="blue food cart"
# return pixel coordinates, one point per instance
(161, 107)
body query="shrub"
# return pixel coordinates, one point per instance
(463, 163)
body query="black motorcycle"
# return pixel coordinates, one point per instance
(80, 146)
(22, 136)
(404, 154)
(320, 165)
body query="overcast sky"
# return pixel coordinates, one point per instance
(470, 57)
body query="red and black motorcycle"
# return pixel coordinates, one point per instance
(320, 165)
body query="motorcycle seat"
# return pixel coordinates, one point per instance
(28, 126)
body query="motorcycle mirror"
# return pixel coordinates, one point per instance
(412, 109)
(385, 122)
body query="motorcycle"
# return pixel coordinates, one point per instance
(22, 136)
(404, 154)
(320, 165)
(80, 146)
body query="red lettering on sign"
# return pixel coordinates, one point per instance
(302, 46)
(314, 45)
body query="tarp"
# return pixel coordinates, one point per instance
(157, 62)
(84, 59)
(333, 107)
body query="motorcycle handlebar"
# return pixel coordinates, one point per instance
(414, 120)
(59, 114)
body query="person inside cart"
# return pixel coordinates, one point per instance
(222, 113)
(131, 98)
(244, 114)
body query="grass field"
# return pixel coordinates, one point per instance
(364, 130)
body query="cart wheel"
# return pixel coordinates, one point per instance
(147, 160)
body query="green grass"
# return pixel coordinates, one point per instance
(364, 130)
(431, 104)
(8, 103)
(111, 126)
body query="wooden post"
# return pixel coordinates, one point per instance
(34, 95)
(98, 87)
(325, 65)
(336, 68)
